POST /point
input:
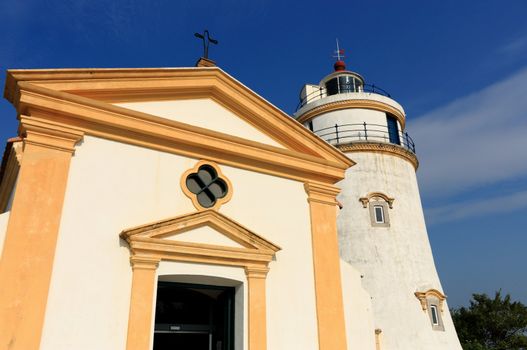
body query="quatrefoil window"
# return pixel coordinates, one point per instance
(205, 186)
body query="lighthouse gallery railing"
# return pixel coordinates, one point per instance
(349, 133)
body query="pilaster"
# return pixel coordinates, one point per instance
(141, 302)
(32, 230)
(326, 266)
(256, 276)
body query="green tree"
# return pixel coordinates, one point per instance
(492, 324)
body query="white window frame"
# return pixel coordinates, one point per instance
(373, 204)
(434, 314)
(382, 221)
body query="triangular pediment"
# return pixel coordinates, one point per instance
(207, 228)
(205, 235)
(100, 102)
(205, 113)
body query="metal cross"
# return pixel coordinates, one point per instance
(206, 40)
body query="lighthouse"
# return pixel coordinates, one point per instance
(381, 226)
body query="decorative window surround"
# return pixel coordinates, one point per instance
(430, 300)
(376, 199)
(376, 196)
(220, 179)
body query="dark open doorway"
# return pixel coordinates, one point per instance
(194, 316)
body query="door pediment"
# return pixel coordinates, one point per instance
(177, 239)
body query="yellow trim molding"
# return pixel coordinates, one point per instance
(193, 197)
(64, 91)
(123, 125)
(372, 195)
(347, 104)
(148, 246)
(381, 147)
(422, 296)
(32, 230)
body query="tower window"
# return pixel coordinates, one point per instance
(434, 315)
(378, 204)
(343, 84)
(432, 303)
(379, 214)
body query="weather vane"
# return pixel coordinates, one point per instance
(206, 41)
(339, 53)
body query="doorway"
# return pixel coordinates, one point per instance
(194, 317)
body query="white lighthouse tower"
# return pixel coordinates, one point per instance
(382, 231)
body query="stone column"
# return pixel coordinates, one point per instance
(142, 303)
(32, 231)
(326, 266)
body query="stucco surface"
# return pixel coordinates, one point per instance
(205, 235)
(204, 113)
(396, 261)
(114, 186)
(316, 102)
(290, 281)
(358, 310)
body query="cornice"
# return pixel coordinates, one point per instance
(306, 157)
(380, 147)
(43, 133)
(124, 125)
(352, 103)
(119, 85)
(322, 193)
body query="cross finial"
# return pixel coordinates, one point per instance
(206, 41)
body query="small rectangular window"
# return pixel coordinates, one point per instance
(435, 318)
(379, 214)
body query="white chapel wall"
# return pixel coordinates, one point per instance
(114, 186)
(357, 310)
(291, 310)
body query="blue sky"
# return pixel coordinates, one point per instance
(458, 67)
